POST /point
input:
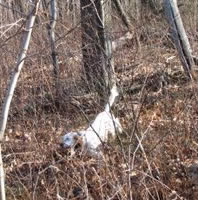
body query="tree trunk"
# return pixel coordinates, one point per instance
(122, 14)
(12, 86)
(179, 36)
(96, 44)
(51, 32)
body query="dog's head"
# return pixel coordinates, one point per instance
(71, 139)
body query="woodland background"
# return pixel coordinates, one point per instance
(155, 158)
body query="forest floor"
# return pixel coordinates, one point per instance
(155, 157)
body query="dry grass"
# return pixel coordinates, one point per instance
(157, 107)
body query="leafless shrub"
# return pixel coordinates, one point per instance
(158, 110)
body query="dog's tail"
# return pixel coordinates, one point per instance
(114, 93)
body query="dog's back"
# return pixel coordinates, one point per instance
(104, 124)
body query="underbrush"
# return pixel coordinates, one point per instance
(152, 159)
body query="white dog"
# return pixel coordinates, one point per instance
(98, 132)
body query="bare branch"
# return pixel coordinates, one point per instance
(12, 86)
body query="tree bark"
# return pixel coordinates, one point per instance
(179, 36)
(12, 86)
(51, 32)
(122, 14)
(96, 44)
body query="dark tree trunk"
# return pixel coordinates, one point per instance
(51, 33)
(96, 45)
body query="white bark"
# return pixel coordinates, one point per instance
(179, 35)
(12, 86)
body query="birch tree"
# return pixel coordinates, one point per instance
(179, 36)
(10, 92)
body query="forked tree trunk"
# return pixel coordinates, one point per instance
(179, 36)
(12, 86)
(96, 44)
